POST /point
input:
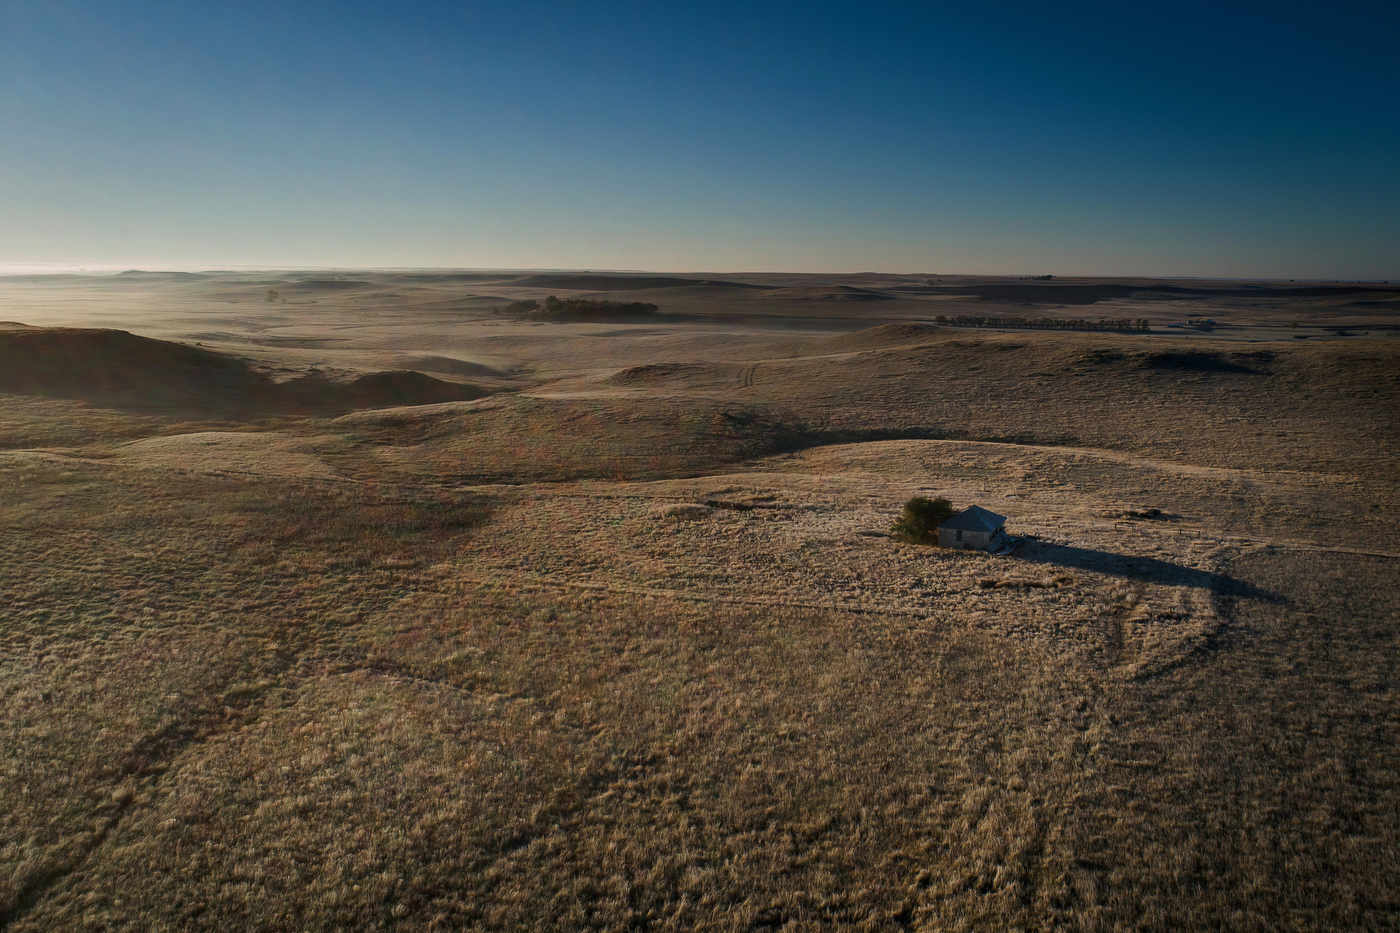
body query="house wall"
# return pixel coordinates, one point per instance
(979, 540)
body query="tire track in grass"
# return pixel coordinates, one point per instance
(147, 764)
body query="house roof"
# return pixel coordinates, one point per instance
(974, 518)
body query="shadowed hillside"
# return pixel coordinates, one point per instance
(113, 368)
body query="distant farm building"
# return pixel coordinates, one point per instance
(974, 528)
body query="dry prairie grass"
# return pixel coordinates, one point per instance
(240, 721)
(677, 675)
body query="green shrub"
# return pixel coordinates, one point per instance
(921, 518)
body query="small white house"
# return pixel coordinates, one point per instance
(973, 528)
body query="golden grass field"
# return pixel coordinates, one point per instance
(620, 639)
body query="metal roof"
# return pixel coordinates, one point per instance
(975, 518)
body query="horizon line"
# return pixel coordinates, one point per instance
(108, 271)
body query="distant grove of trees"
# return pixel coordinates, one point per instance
(1127, 324)
(575, 309)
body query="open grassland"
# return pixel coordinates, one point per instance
(219, 712)
(628, 644)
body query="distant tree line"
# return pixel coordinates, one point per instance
(574, 309)
(1047, 323)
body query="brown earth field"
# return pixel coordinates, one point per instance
(362, 605)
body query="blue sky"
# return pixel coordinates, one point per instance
(1079, 138)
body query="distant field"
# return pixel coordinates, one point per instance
(618, 637)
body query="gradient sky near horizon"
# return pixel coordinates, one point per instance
(1211, 139)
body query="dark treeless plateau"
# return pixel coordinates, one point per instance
(340, 600)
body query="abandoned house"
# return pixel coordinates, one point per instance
(974, 527)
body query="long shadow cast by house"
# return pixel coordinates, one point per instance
(1134, 567)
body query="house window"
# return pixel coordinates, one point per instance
(960, 536)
